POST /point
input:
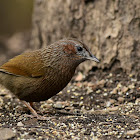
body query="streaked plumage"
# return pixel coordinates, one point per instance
(38, 75)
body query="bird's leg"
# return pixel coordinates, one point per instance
(31, 104)
(30, 107)
(37, 111)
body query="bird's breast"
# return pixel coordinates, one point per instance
(49, 85)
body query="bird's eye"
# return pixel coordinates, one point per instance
(79, 48)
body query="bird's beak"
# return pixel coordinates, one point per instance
(93, 58)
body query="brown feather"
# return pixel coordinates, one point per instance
(27, 64)
(38, 75)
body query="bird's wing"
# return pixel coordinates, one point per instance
(27, 64)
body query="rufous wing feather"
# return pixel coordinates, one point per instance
(27, 64)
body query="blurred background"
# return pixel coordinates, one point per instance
(111, 28)
(15, 27)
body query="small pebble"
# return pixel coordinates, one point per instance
(120, 99)
(58, 105)
(132, 132)
(6, 133)
(20, 124)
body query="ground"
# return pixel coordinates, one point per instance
(101, 105)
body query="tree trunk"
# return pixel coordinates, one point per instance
(111, 28)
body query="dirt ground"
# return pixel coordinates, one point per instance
(98, 106)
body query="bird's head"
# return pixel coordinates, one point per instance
(76, 50)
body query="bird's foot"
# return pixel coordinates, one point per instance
(39, 117)
(34, 113)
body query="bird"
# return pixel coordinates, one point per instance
(38, 75)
